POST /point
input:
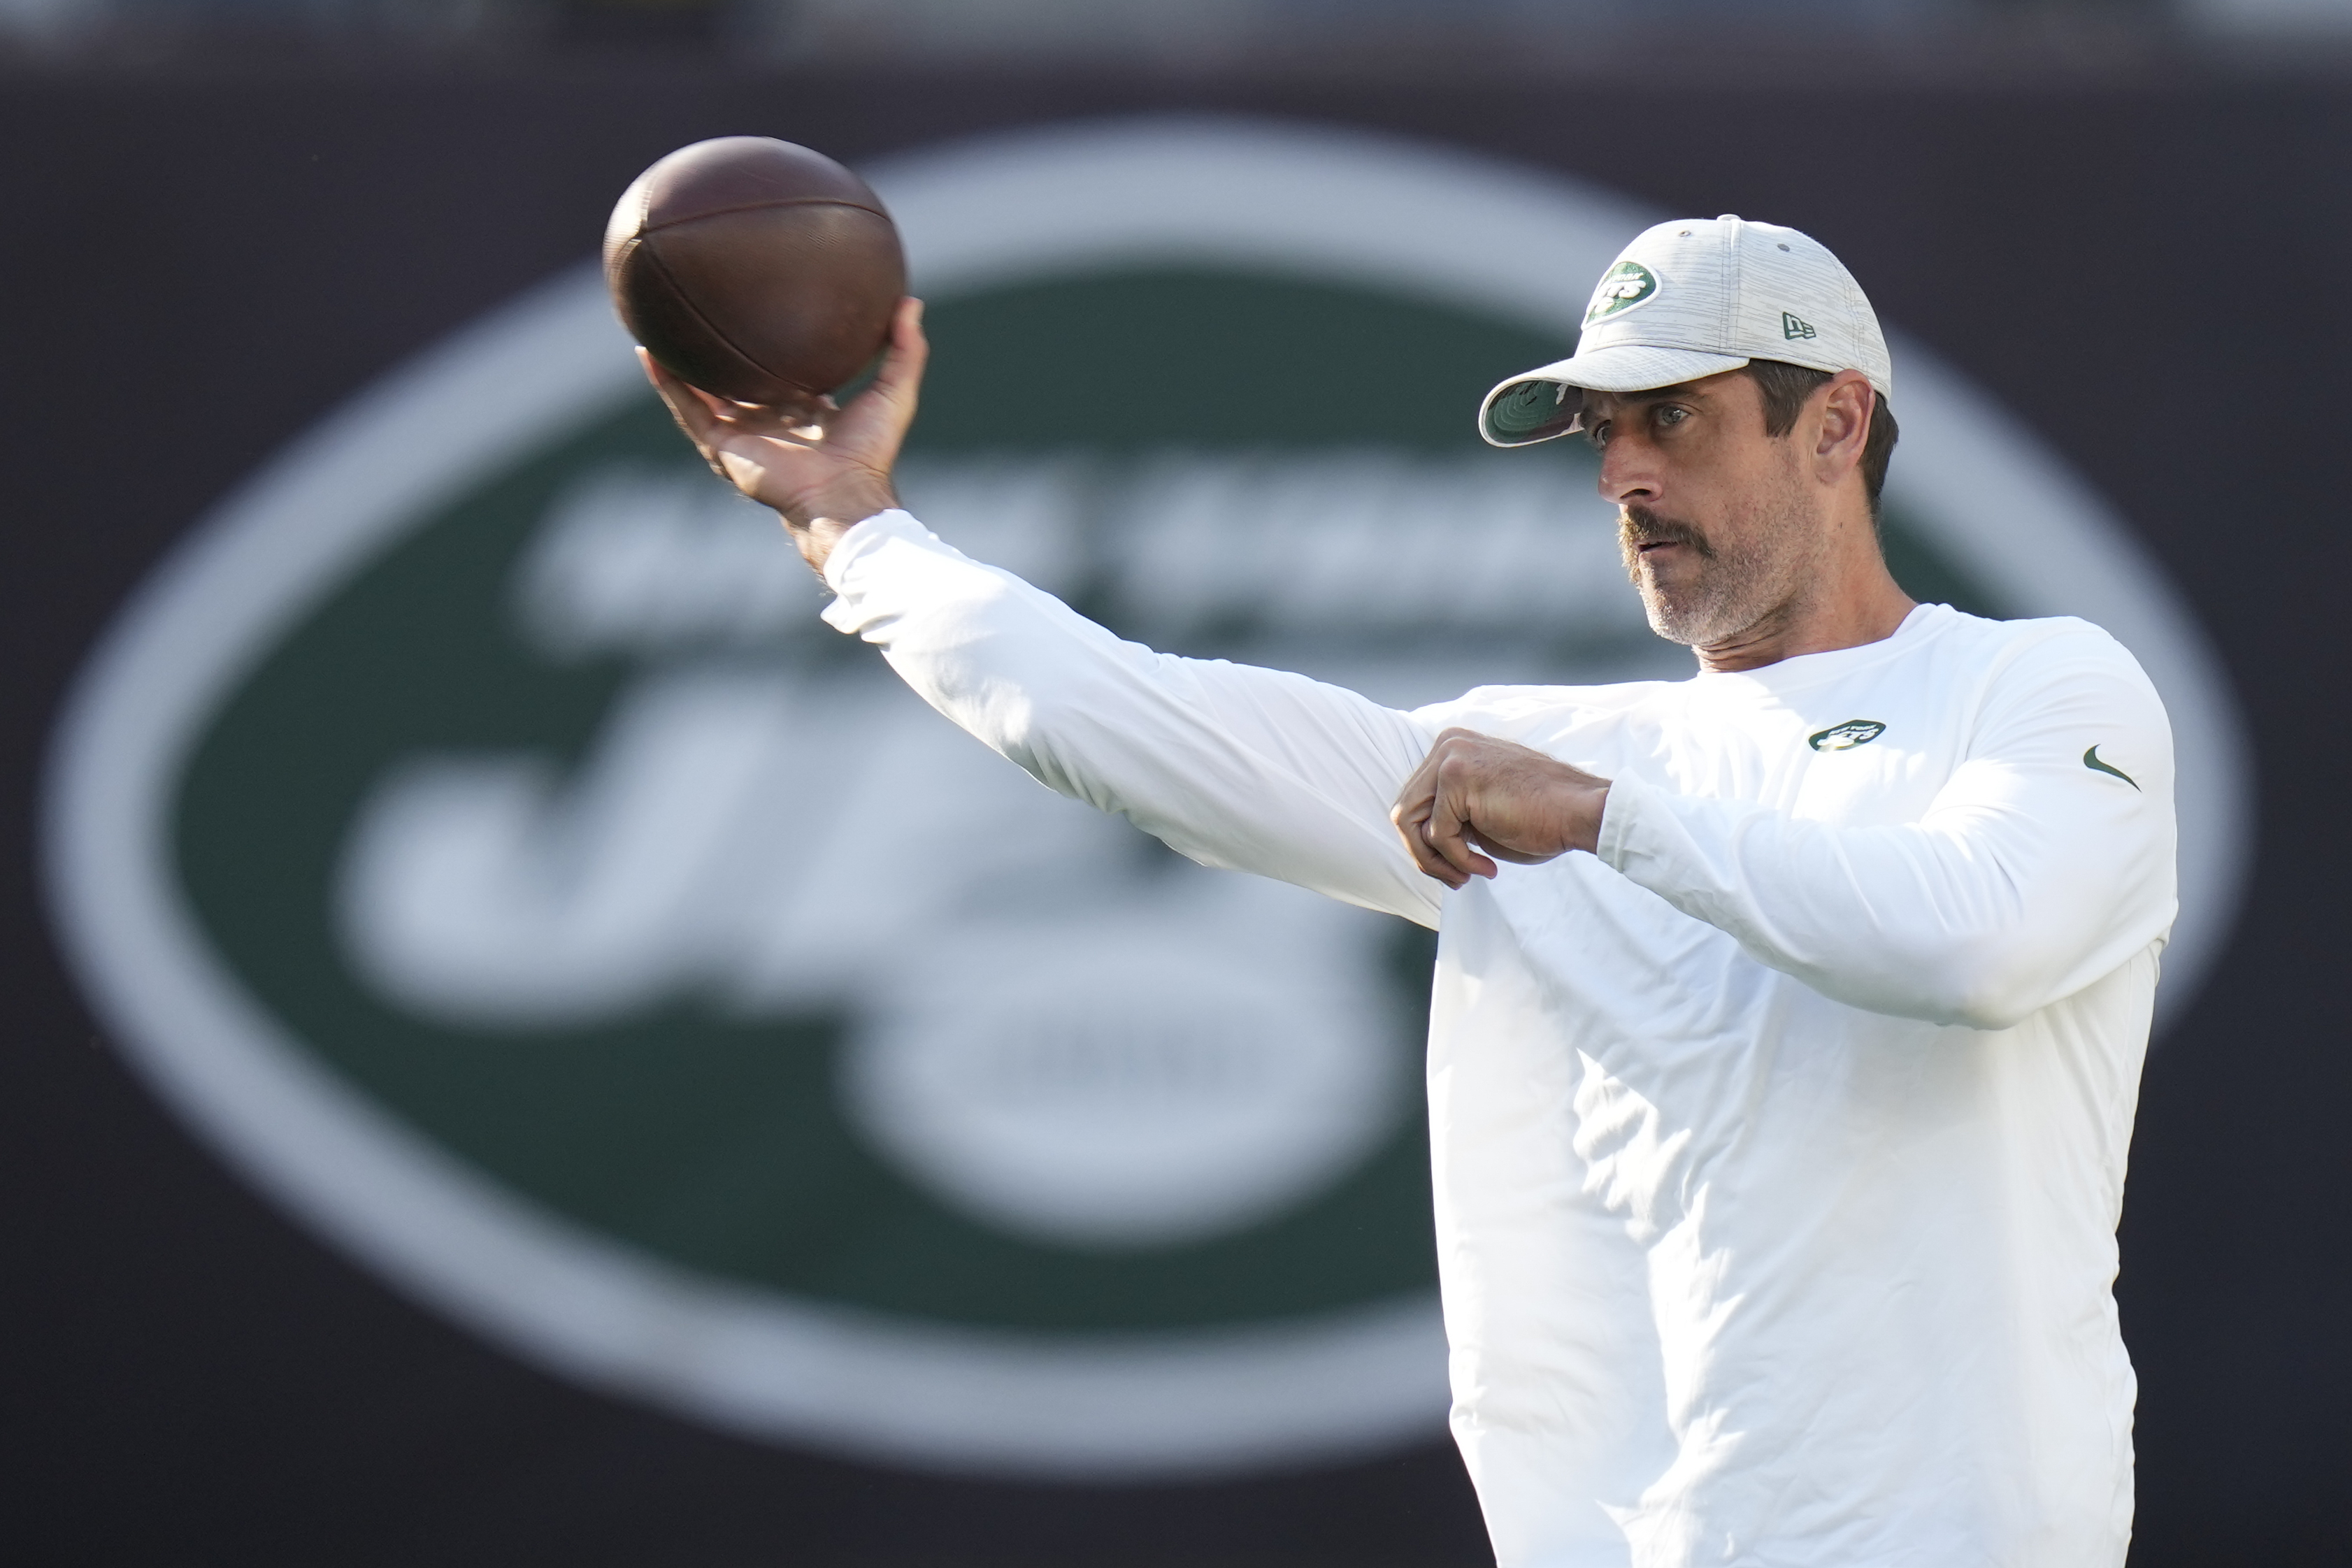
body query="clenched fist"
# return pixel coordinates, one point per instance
(1475, 793)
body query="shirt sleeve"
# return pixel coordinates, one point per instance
(1231, 765)
(2044, 864)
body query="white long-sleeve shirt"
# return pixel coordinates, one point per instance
(1778, 1145)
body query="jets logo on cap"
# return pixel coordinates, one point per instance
(1623, 286)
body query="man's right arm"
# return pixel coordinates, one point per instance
(1231, 765)
(1234, 767)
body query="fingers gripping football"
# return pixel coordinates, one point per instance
(822, 466)
(1476, 799)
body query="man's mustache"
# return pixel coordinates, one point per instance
(1639, 526)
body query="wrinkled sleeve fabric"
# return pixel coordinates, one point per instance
(1231, 765)
(2034, 873)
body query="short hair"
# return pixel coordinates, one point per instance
(1786, 389)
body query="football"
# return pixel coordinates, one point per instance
(754, 268)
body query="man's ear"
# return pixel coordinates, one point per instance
(1847, 400)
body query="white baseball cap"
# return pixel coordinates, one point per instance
(1691, 298)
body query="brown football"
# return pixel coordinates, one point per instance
(755, 269)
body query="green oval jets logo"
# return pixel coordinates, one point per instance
(1845, 737)
(476, 834)
(1623, 286)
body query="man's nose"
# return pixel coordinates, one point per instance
(1628, 474)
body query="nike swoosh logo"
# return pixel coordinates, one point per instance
(2091, 760)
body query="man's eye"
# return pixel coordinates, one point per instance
(1598, 433)
(1669, 414)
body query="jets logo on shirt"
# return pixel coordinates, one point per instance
(1845, 737)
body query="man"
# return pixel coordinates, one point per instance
(1788, 1019)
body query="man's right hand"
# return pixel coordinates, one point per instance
(823, 467)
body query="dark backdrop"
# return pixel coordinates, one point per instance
(2150, 270)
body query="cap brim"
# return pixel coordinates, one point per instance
(1535, 406)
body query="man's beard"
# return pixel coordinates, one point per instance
(1735, 588)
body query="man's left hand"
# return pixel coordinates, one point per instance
(1475, 793)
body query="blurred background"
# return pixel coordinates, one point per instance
(1314, 34)
(524, 1047)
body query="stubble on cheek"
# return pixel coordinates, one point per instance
(1670, 617)
(1769, 550)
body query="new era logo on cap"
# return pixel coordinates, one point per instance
(1693, 298)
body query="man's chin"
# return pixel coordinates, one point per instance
(1664, 621)
(1679, 621)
